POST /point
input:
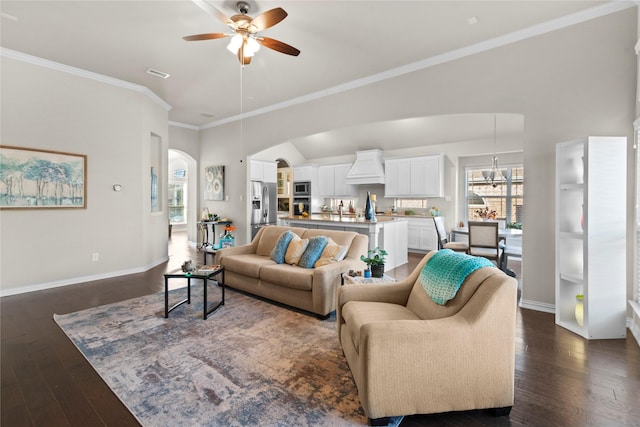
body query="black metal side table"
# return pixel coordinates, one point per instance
(206, 251)
(205, 277)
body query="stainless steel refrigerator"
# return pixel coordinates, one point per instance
(264, 205)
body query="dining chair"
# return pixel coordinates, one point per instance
(485, 242)
(443, 240)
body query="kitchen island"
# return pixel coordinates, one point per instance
(388, 233)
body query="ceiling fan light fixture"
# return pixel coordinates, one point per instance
(234, 44)
(252, 45)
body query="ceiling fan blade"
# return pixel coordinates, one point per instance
(209, 36)
(278, 45)
(213, 11)
(268, 19)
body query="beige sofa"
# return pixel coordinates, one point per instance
(250, 268)
(409, 355)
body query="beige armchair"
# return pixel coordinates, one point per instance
(409, 355)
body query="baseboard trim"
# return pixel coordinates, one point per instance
(76, 280)
(635, 331)
(538, 306)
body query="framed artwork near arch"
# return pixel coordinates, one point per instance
(214, 183)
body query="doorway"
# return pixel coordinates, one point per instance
(182, 193)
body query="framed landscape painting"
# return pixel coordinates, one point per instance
(42, 179)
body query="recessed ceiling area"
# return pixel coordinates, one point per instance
(419, 131)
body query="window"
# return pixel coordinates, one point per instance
(506, 198)
(177, 203)
(412, 203)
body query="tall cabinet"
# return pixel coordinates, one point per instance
(590, 238)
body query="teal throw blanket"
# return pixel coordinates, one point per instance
(445, 271)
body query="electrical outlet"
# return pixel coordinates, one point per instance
(95, 256)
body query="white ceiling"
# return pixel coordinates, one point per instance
(342, 43)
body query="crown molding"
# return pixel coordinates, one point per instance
(183, 125)
(41, 62)
(516, 36)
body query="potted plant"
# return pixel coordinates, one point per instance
(375, 261)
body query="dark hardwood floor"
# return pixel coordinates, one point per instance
(561, 379)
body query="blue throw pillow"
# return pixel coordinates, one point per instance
(280, 249)
(312, 253)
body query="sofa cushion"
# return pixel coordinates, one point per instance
(312, 253)
(331, 253)
(247, 264)
(295, 250)
(291, 276)
(269, 236)
(280, 249)
(358, 313)
(342, 238)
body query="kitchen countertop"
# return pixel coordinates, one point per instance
(345, 218)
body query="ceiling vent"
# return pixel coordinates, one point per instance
(157, 73)
(207, 115)
(367, 169)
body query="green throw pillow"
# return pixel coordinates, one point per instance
(312, 253)
(280, 249)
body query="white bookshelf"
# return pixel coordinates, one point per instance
(591, 256)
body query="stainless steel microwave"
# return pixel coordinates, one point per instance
(302, 188)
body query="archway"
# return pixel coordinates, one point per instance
(182, 193)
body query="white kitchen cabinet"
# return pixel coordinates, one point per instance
(421, 176)
(397, 177)
(422, 234)
(303, 173)
(427, 176)
(265, 171)
(590, 240)
(332, 181)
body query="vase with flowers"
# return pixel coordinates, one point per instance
(486, 214)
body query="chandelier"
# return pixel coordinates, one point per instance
(495, 175)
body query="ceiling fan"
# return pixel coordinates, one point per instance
(245, 40)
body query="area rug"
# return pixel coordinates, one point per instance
(251, 363)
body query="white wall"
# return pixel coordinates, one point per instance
(570, 83)
(47, 109)
(228, 149)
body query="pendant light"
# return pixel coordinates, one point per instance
(494, 175)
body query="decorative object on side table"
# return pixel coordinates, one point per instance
(188, 267)
(227, 239)
(580, 309)
(375, 260)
